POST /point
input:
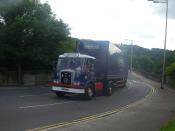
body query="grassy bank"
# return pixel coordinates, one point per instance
(170, 125)
(172, 83)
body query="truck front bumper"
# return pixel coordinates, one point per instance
(68, 90)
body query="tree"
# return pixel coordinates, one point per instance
(170, 70)
(32, 36)
(148, 61)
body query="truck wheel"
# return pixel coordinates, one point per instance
(89, 92)
(109, 91)
(124, 84)
(60, 94)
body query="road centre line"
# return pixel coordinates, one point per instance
(44, 105)
(35, 95)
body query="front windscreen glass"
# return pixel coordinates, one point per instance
(70, 63)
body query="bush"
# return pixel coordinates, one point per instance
(170, 70)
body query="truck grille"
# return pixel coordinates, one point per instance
(66, 78)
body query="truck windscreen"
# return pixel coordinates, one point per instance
(70, 63)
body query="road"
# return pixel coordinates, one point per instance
(28, 108)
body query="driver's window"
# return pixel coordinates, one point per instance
(90, 65)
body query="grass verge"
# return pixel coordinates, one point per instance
(170, 125)
(172, 83)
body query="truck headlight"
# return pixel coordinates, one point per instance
(57, 81)
(77, 83)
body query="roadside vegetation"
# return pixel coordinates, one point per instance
(149, 62)
(170, 71)
(31, 37)
(169, 126)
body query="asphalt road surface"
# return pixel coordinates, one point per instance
(28, 108)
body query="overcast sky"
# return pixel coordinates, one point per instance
(118, 20)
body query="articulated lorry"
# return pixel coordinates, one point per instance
(94, 66)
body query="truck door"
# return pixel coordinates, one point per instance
(90, 70)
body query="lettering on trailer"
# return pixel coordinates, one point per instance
(91, 46)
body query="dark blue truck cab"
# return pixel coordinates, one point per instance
(95, 66)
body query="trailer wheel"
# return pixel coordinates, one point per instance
(60, 94)
(109, 91)
(89, 92)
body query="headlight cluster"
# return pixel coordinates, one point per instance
(77, 83)
(56, 81)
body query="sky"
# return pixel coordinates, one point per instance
(118, 21)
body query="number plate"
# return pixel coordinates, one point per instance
(64, 89)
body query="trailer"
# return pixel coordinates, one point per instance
(95, 66)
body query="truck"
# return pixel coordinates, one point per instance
(95, 66)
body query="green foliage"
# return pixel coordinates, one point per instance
(170, 126)
(67, 45)
(149, 61)
(170, 70)
(31, 36)
(144, 62)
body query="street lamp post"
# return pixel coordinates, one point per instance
(131, 54)
(165, 40)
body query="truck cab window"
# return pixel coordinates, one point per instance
(90, 65)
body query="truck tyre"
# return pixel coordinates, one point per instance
(124, 84)
(109, 91)
(89, 92)
(60, 94)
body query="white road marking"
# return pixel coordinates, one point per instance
(129, 84)
(35, 95)
(45, 105)
(134, 81)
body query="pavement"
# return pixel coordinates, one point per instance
(146, 115)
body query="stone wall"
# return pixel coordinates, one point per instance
(28, 78)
